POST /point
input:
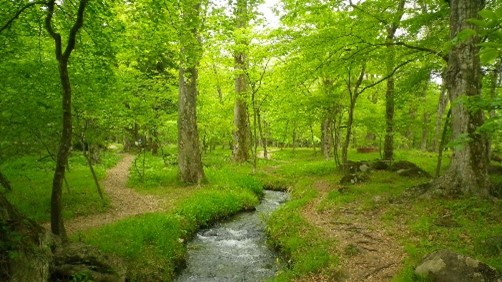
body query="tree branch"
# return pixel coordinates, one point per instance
(73, 32)
(386, 77)
(9, 22)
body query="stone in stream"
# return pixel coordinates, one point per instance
(447, 266)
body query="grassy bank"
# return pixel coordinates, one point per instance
(153, 245)
(414, 225)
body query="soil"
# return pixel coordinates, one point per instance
(366, 253)
(124, 202)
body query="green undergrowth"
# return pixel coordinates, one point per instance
(470, 226)
(31, 179)
(153, 245)
(301, 244)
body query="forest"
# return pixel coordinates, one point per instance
(127, 128)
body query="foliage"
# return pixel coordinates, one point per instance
(31, 178)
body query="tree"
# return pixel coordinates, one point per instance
(241, 119)
(57, 226)
(189, 153)
(467, 174)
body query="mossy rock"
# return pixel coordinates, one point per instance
(408, 169)
(354, 178)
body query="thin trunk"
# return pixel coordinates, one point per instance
(5, 182)
(425, 120)
(57, 226)
(442, 143)
(443, 102)
(425, 131)
(348, 134)
(262, 137)
(87, 157)
(468, 172)
(312, 136)
(255, 135)
(354, 94)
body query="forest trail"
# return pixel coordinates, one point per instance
(366, 252)
(124, 202)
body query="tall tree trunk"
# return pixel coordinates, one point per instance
(468, 172)
(388, 147)
(241, 122)
(57, 226)
(189, 154)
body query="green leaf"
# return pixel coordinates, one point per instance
(488, 14)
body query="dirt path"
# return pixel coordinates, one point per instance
(366, 252)
(124, 201)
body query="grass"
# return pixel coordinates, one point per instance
(302, 245)
(420, 226)
(153, 245)
(31, 179)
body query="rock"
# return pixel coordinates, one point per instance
(364, 168)
(354, 178)
(78, 261)
(379, 165)
(447, 266)
(25, 246)
(355, 167)
(408, 169)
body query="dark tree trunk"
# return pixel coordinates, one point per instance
(57, 226)
(5, 182)
(425, 131)
(348, 133)
(388, 147)
(443, 102)
(190, 168)
(241, 132)
(467, 174)
(354, 94)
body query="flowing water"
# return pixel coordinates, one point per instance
(235, 250)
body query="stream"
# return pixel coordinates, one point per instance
(235, 250)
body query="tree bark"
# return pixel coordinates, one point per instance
(354, 94)
(468, 172)
(190, 169)
(388, 147)
(241, 134)
(326, 140)
(57, 226)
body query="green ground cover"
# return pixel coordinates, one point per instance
(31, 179)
